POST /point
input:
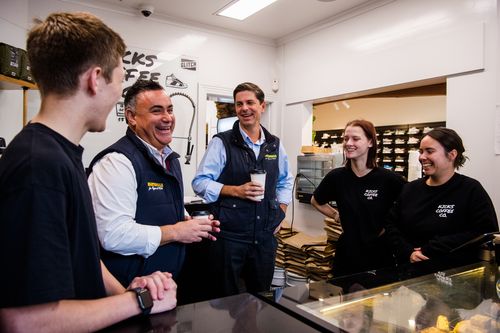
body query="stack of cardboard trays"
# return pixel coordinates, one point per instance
(304, 255)
(319, 261)
(285, 232)
(295, 257)
(333, 229)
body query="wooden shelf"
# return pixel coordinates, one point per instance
(9, 83)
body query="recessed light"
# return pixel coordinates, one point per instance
(241, 9)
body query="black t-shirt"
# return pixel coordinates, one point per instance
(440, 218)
(48, 240)
(362, 202)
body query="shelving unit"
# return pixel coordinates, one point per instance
(8, 83)
(394, 143)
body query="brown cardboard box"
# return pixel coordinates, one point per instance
(315, 150)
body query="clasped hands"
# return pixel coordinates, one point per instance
(162, 287)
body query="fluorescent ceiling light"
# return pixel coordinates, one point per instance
(241, 9)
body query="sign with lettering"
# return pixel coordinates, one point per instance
(178, 74)
(174, 73)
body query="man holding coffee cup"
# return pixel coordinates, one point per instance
(246, 177)
(137, 192)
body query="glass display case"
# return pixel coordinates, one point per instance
(464, 299)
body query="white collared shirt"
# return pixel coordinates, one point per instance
(113, 186)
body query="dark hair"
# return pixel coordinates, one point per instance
(65, 45)
(450, 140)
(248, 86)
(135, 89)
(371, 134)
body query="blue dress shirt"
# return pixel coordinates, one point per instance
(213, 162)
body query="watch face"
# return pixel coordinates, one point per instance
(145, 299)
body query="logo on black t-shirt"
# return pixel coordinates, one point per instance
(444, 210)
(370, 194)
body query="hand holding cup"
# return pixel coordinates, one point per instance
(259, 176)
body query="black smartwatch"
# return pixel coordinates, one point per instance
(144, 299)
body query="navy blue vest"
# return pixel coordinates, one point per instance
(245, 220)
(160, 202)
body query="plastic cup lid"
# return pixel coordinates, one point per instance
(200, 213)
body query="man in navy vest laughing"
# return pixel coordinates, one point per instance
(137, 192)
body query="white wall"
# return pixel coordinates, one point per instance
(406, 41)
(381, 111)
(401, 41)
(223, 61)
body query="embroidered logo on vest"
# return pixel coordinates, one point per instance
(155, 186)
(270, 157)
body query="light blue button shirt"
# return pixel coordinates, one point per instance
(213, 162)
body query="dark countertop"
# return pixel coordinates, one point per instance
(366, 300)
(240, 313)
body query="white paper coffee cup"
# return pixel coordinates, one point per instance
(259, 176)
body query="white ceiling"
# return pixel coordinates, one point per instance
(279, 20)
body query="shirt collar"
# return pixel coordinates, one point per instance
(155, 152)
(247, 139)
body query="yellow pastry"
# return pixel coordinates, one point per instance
(442, 323)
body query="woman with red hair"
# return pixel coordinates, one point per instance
(364, 194)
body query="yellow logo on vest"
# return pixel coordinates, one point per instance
(155, 186)
(270, 157)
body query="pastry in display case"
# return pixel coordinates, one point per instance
(464, 299)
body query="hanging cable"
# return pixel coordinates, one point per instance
(299, 175)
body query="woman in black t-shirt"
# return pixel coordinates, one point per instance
(364, 193)
(438, 213)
